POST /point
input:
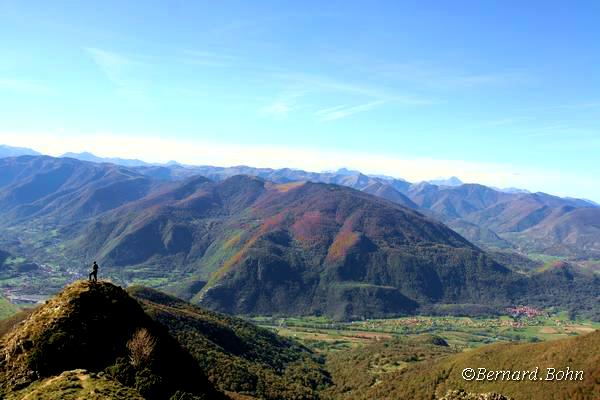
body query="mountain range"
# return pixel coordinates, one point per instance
(525, 222)
(452, 181)
(10, 151)
(246, 244)
(522, 221)
(60, 189)
(504, 218)
(495, 218)
(86, 156)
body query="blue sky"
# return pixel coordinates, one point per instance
(503, 93)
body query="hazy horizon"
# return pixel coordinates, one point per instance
(494, 94)
(324, 170)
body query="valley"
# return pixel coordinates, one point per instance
(271, 200)
(323, 335)
(327, 277)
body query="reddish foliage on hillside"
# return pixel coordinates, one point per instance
(309, 226)
(340, 246)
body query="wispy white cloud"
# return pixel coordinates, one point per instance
(277, 109)
(339, 112)
(325, 111)
(404, 85)
(312, 83)
(114, 65)
(316, 87)
(121, 71)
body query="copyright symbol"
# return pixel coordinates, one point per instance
(468, 374)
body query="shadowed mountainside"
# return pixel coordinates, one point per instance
(236, 355)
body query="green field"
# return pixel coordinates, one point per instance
(326, 335)
(7, 308)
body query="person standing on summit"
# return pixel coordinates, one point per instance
(94, 274)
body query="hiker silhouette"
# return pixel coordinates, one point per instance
(94, 274)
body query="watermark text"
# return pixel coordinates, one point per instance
(535, 374)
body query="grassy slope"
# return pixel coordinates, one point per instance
(355, 371)
(7, 308)
(425, 380)
(8, 323)
(236, 355)
(76, 385)
(87, 326)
